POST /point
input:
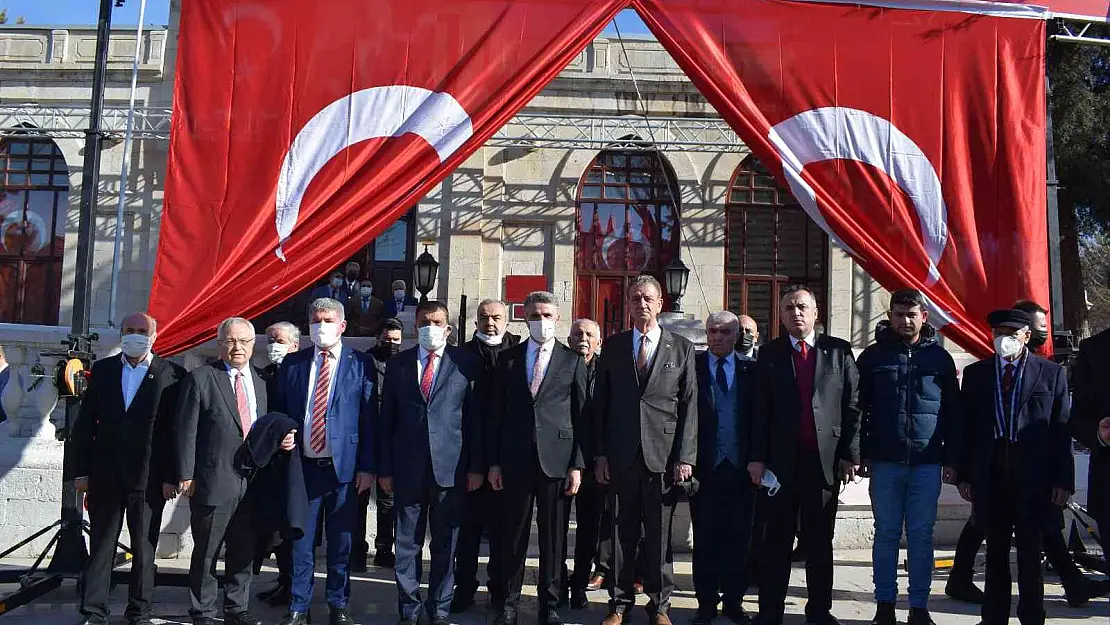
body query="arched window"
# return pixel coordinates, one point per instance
(34, 194)
(627, 224)
(772, 243)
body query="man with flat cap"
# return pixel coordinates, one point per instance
(1016, 462)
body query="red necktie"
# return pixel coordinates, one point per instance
(242, 403)
(320, 406)
(804, 348)
(1008, 378)
(426, 378)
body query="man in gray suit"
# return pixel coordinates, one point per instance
(645, 442)
(218, 405)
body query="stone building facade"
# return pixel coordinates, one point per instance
(578, 220)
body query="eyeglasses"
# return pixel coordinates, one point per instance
(233, 343)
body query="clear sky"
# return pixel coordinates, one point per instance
(76, 12)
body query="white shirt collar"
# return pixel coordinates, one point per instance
(334, 350)
(231, 371)
(424, 353)
(652, 335)
(145, 362)
(534, 346)
(810, 340)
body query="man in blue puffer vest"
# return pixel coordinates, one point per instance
(909, 396)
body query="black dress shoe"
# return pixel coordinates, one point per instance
(920, 616)
(736, 614)
(242, 618)
(339, 616)
(1083, 592)
(93, 620)
(296, 618)
(884, 614)
(507, 616)
(461, 603)
(357, 564)
(439, 620)
(963, 590)
(550, 617)
(385, 559)
(579, 600)
(280, 599)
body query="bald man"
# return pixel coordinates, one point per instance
(748, 338)
(123, 455)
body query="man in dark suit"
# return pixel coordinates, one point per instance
(1090, 423)
(645, 443)
(534, 448)
(388, 346)
(335, 289)
(282, 338)
(748, 339)
(327, 390)
(482, 513)
(218, 404)
(721, 510)
(1016, 462)
(431, 450)
(364, 311)
(122, 446)
(805, 429)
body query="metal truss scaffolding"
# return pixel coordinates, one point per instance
(1079, 31)
(525, 131)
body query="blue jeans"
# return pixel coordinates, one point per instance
(904, 495)
(340, 504)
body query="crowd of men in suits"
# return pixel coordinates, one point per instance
(458, 442)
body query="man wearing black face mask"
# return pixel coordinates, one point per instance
(389, 343)
(749, 336)
(482, 509)
(1078, 588)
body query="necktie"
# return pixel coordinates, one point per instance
(804, 348)
(722, 381)
(537, 371)
(319, 432)
(642, 359)
(426, 378)
(365, 304)
(242, 403)
(1008, 379)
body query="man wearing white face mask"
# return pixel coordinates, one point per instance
(535, 448)
(482, 510)
(328, 390)
(431, 453)
(364, 310)
(398, 299)
(1016, 462)
(123, 452)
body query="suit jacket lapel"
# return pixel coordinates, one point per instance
(553, 365)
(116, 384)
(223, 382)
(146, 385)
(446, 368)
(662, 350)
(1028, 381)
(342, 369)
(705, 381)
(261, 397)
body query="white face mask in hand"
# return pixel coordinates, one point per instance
(432, 338)
(135, 345)
(541, 330)
(325, 334)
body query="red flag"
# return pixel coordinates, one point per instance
(915, 138)
(301, 130)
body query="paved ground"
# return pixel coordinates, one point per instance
(374, 601)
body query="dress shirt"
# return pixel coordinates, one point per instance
(132, 377)
(422, 359)
(750, 353)
(730, 368)
(333, 367)
(652, 343)
(810, 340)
(530, 359)
(248, 383)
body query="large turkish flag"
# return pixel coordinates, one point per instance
(915, 138)
(301, 130)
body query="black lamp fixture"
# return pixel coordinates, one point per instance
(424, 273)
(676, 275)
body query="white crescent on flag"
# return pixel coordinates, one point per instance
(372, 113)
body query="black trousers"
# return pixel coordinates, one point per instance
(108, 506)
(481, 514)
(212, 526)
(1053, 543)
(593, 536)
(1005, 520)
(546, 494)
(639, 504)
(383, 541)
(809, 498)
(721, 512)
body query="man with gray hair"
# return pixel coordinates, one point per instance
(218, 405)
(721, 510)
(535, 450)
